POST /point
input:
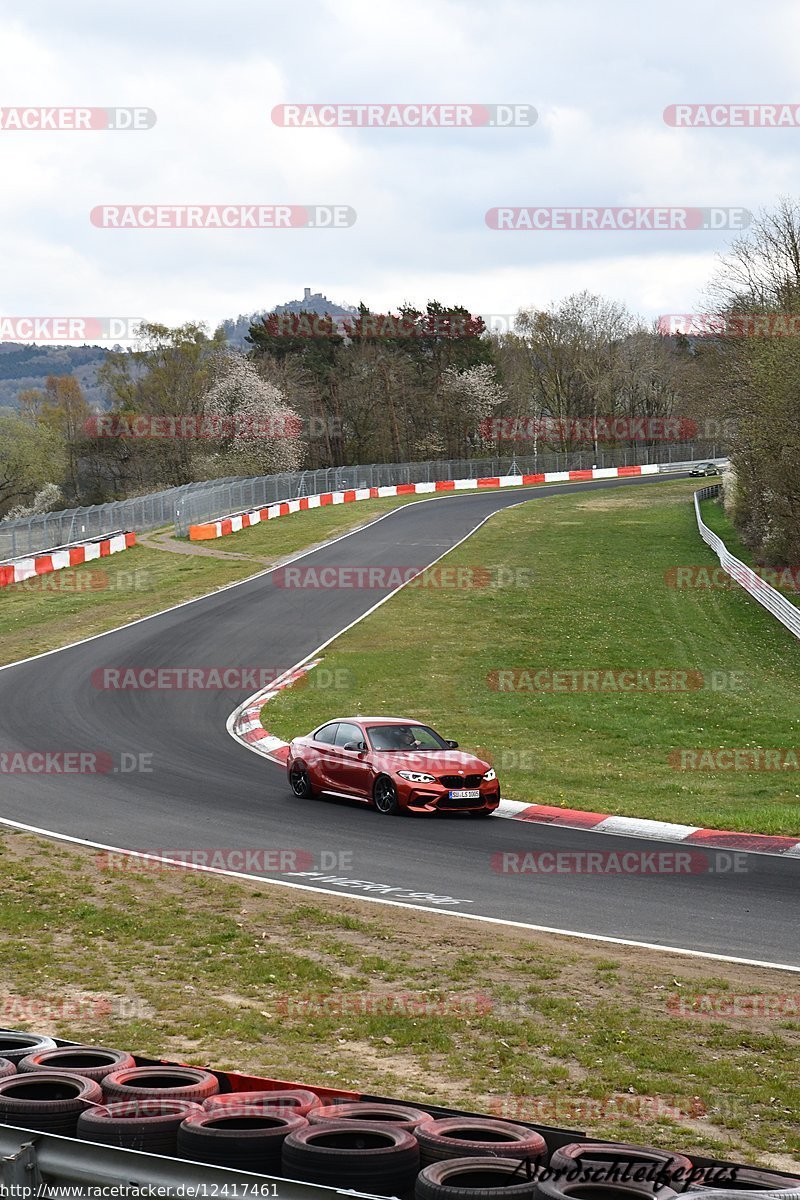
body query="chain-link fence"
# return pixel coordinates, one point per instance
(244, 495)
(196, 502)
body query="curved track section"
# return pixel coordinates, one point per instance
(205, 791)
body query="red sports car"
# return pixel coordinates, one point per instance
(393, 763)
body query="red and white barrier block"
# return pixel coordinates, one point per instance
(245, 723)
(19, 569)
(232, 524)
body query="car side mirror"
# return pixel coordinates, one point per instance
(355, 745)
(452, 745)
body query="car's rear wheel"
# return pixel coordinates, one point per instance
(384, 796)
(300, 781)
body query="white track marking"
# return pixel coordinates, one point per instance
(590, 937)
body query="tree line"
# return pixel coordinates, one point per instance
(308, 391)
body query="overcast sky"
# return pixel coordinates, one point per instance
(599, 72)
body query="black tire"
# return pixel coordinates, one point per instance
(300, 781)
(673, 1169)
(160, 1083)
(400, 1116)
(475, 1179)
(553, 1189)
(361, 1156)
(283, 1102)
(7, 1068)
(745, 1179)
(149, 1125)
(93, 1062)
(468, 1137)
(228, 1139)
(384, 796)
(49, 1101)
(14, 1044)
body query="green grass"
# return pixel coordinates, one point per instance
(598, 600)
(270, 981)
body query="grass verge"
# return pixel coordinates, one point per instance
(600, 599)
(329, 991)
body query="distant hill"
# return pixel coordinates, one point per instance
(25, 366)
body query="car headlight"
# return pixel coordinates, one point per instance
(417, 777)
(490, 775)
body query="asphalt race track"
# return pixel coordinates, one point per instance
(205, 790)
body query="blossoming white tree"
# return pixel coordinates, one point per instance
(259, 433)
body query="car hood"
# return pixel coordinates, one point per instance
(435, 762)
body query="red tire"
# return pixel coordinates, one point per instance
(50, 1101)
(475, 1179)
(7, 1068)
(93, 1062)
(160, 1083)
(283, 1102)
(673, 1170)
(226, 1138)
(357, 1155)
(462, 1137)
(398, 1115)
(149, 1125)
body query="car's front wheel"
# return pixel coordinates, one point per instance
(483, 812)
(300, 781)
(384, 796)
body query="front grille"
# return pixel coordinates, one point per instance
(461, 781)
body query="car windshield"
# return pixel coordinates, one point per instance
(404, 737)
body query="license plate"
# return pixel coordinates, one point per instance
(465, 794)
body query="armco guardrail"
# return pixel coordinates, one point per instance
(782, 609)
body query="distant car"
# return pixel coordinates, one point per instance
(394, 764)
(705, 469)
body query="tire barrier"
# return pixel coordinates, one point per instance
(277, 1128)
(50, 1101)
(474, 1179)
(16, 1045)
(93, 1062)
(364, 1157)
(459, 1137)
(146, 1125)
(227, 1139)
(284, 1102)
(17, 570)
(400, 1116)
(160, 1083)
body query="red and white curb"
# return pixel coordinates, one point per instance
(19, 569)
(246, 725)
(662, 831)
(239, 521)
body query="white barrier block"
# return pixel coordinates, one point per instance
(556, 476)
(61, 558)
(605, 473)
(92, 551)
(338, 497)
(425, 487)
(650, 470)
(362, 493)
(24, 569)
(510, 480)
(389, 490)
(464, 484)
(313, 501)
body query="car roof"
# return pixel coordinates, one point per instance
(375, 721)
